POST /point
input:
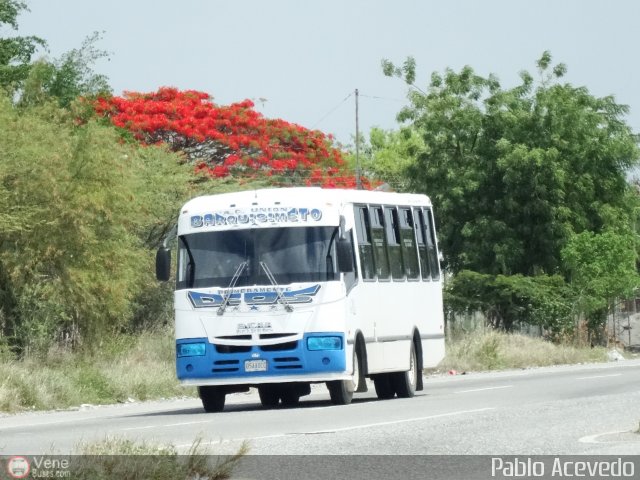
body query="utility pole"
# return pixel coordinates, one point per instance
(358, 180)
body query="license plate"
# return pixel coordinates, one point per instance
(255, 366)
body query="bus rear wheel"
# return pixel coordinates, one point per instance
(383, 385)
(212, 398)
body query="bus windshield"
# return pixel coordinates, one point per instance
(292, 254)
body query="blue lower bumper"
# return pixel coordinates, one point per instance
(291, 358)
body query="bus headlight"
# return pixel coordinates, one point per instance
(191, 349)
(324, 343)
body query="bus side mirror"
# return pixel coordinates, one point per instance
(163, 264)
(345, 255)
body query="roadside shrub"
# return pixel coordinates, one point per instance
(506, 300)
(81, 212)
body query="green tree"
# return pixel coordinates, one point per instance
(602, 268)
(513, 173)
(390, 154)
(80, 211)
(15, 52)
(67, 78)
(521, 178)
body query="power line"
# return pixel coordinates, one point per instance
(332, 110)
(342, 102)
(374, 97)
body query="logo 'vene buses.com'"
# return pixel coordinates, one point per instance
(18, 467)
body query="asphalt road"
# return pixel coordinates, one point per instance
(572, 410)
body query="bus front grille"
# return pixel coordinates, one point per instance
(280, 346)
(222, 366)
(266, 336)
(233, 348)
(287, 363)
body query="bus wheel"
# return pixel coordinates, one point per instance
(341, 391)
(404, 383)
(289, 396)
(212, 398)
(383, 386)
(269, 396)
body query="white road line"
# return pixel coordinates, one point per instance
(599, 376)
(52, 422)
(406, 420)
(229, 440)
(168, 425)
(594, 438)
(345, 429)
(483, 389)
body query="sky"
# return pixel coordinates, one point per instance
(302, 60)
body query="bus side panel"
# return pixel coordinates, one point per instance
(363, 304)
(394, 310)
(432, 351)
(396, 355)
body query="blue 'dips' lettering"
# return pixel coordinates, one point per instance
(200, 300)
(269, 297)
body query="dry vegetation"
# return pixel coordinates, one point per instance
(122, 369)
(121, 458)
(142, 367)
(493, 350)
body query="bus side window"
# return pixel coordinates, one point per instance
(365, 247)
(409, 248)
(434, 263)
(394, 245)
(379, 243)
(419, 228)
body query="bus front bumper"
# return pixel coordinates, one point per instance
(310, 359)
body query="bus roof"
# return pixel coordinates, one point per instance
(276, 196)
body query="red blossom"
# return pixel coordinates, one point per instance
(229, 140)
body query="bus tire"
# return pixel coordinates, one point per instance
(383, 386)
(212, 398)
(404, 383)
(269, 396)
(341, 391)
(289, 396)
(359, 372)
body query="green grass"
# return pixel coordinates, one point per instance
(138, 367)
(493, 350)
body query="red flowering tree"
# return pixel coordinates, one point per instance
(232, 140)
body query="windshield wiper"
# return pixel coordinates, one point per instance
(232, 283)
(272, 279)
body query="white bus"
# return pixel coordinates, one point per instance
(281, 288)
